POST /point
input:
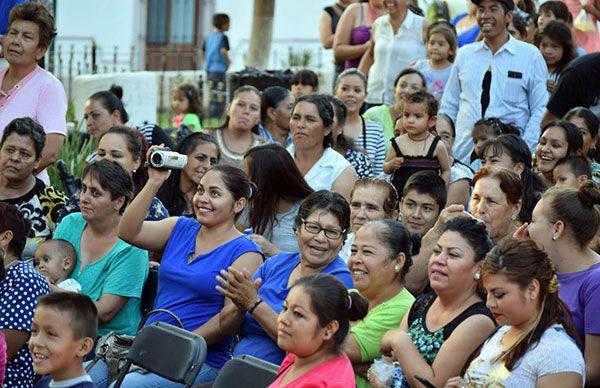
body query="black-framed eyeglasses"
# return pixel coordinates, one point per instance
(314, 228)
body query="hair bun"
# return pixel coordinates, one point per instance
(116, 90)
(589, 193)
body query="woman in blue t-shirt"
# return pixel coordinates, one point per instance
(194, 252)
(321, 226)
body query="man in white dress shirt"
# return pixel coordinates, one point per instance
(498, 77)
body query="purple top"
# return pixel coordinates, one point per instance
(581, 292)
(359, 35)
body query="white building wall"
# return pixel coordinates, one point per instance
(296, 24)
(109, 23)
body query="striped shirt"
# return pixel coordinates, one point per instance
(518, 91)
(375, 142)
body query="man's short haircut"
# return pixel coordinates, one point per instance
(64, 249)
(219, 20)
(430, 183)
(305, 77)
(80, 310)
(579, 165)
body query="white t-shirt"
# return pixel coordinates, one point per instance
(323, 174)
(556, 352)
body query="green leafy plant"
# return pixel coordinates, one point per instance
(74, 152)
(301, 58)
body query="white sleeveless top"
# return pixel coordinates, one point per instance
(327, 169)
(392, 54)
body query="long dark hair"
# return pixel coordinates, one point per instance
(12, 219)
(111, 101)
(331, 301)
(521, 262)
(518, 151)
(170, 193)
(341, 142)
(276, 176)
(591, 122)
(561, 34)
(137, 145)
(572, 134)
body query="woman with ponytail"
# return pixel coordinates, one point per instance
(564, 223)
(381, 257)
(311, 328)
(443, 327)
(536, 345)
(194, 251)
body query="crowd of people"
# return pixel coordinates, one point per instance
(432, 221)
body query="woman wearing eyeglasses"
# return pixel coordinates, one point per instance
(321, 226)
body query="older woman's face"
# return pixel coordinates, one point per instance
(366, 205)
(490, 205)
(244, 112)
(18, 158)
(452, 264)
(96, 202)
(306, 126)
(370, 263)
(113, 147)
(98, 119)
(21, 43)
(317, 251)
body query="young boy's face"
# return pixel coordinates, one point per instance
(299, 90)
(545, 17)
(564, 177)
(50, 264)
(53, 347)
(419, 212)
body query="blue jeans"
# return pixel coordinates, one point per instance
(99, 374)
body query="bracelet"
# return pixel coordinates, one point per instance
(259, 301)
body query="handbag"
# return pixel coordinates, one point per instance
(113, 348)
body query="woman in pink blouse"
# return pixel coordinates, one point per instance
(27, 90)
(311, 327)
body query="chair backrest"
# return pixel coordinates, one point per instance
(253, 372)
(168, 351)
(149, 291)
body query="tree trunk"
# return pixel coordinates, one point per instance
(262, 32)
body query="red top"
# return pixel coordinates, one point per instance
(336, 372)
